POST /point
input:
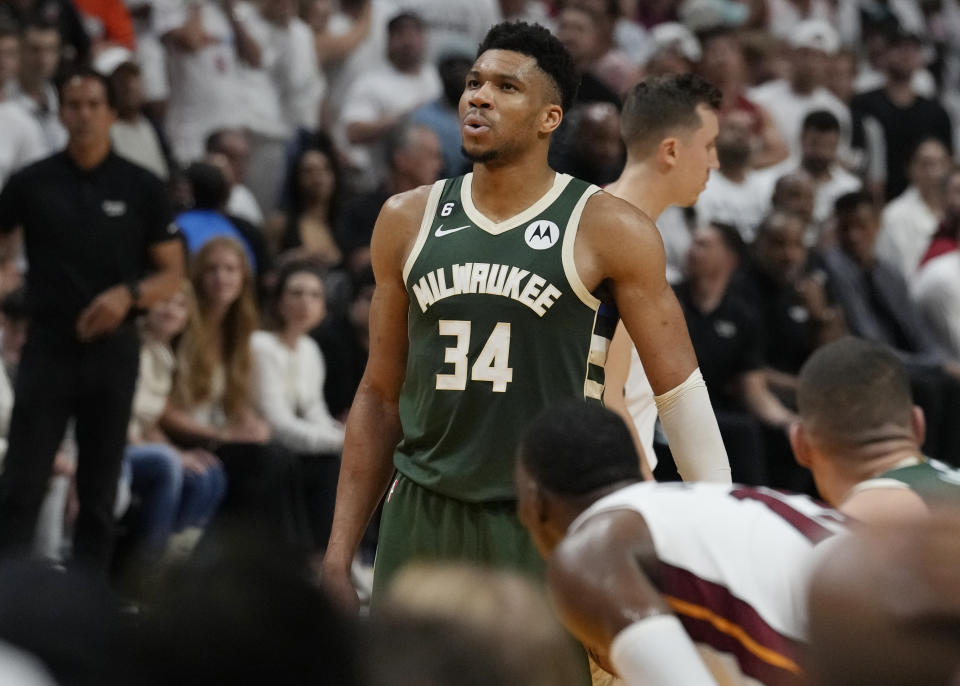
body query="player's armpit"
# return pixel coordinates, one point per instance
(597, 579)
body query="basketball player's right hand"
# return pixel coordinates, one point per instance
(336, 580)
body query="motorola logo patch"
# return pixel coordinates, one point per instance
(542, 234)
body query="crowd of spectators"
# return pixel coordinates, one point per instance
(280, 127)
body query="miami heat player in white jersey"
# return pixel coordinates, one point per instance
(733, 565)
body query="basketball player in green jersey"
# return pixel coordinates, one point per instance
(497, 294)
(860, 434)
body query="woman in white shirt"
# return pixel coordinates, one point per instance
(288, 389)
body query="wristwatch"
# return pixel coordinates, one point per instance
(134, 288)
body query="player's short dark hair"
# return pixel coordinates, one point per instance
(209, 187)
(88, 73)
(405, 17)
(851, 390)
(574, 448)
(851, 202)
(658, 106)
(537, 42)
(821, 121)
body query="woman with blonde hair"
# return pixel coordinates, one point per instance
(178, 490)
(210, 405)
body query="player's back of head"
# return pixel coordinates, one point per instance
(854, 392)
(537, 42)
(573, 449)
(659, 107)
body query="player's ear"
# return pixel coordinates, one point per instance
(919, 425)
(550, 118)
(799, 443)
(668, 153)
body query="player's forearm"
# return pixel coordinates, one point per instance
(692, 431)
(373, 431)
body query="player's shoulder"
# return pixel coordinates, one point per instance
(605, 211)
(618, 529)
(408, 205)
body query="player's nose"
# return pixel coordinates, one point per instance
(482, 97)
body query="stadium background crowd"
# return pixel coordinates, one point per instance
(280, 128)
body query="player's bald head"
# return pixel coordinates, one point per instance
(852, 393)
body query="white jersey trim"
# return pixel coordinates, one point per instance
(425, 224)
(560, 182)
(569, 239)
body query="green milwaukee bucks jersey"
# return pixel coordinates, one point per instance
(932, 480)
(500, 327)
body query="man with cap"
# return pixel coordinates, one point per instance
(132, 135)
(789, 101)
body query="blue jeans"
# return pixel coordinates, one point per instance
(171, 498)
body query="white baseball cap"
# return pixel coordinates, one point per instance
(672, 35)
(815, 34)
(110, 59)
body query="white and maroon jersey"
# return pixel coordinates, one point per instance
(734, 564)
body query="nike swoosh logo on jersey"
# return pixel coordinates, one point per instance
(440, 233)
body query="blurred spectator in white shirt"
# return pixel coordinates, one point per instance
(35, 93)
(299, 81)
(259, 79)
(819, 150)
(936, 291)
(132, 135)
(911, 219)
(204, 41)
(735, 194)
(380, 99)
(466, 21)
(351, 42)
(790, 101)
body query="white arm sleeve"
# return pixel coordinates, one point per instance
(691, 427)
(656, 651)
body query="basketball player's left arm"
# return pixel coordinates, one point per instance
(605, 598)
(619, 243)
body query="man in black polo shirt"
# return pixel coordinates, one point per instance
(100, 243)
(725, 332)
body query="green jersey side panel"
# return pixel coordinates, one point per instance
(500, 327)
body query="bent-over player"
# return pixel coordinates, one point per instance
(640, 572)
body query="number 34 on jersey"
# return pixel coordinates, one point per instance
(492, 364)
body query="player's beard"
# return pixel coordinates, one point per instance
(480, 157)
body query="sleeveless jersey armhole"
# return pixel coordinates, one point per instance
(569, 238)
(428, 214)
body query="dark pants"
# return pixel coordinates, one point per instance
(60, 378)
(318, 479)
